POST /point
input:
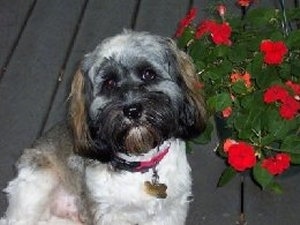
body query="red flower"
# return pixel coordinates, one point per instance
(186, 21)
(277, 164)
(295, 87)
(275, 93)
(221, 10)
(227, 112)
(273, 51)
(241, 156)
(246, 77)
(220, 33)
(228, 143)
(289, 108)
(244, 3)
(205, 27)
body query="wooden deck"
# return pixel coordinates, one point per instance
(41, 43)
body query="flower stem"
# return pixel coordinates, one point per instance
(242, 218)
(243, 10)
(286, 26)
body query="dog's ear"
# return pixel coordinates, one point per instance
(78, 114)
(82, 134)
(193, 113)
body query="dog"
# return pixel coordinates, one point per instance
(120, 158)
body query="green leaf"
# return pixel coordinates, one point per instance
(200, 65)
(268, 139)
(228, 174)
(238, 53)
(293, 40)
(219, 101)
(197, 50)
(211, 75)
(285, 71)
(275, 187)
(267, 77)
(295, 158)
(187, 35)
(226, 67)
(262, 176)
(221, 50)
(204, 137)
(248, 121)
(252, 100)
(291, 144)
(276, 36)
(295, 64)
(255, 67)
(260, 16)
(277, 126)
(239, 87)
(243, 132)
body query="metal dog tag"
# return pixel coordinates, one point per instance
(157, 190)
(154, 188)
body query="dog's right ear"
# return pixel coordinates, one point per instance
(85, 144)
(78, 115)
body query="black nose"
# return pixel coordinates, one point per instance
(133, 111)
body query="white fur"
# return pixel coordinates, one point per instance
(119, 198)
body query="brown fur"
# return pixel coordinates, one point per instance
(78, 114)
(189, 76)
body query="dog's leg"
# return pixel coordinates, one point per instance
(28, 195)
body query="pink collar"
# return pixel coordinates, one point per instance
(139, 166)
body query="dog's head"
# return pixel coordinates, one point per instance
(134, 91)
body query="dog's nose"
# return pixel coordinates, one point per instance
(133, 111)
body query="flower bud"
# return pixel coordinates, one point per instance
(221, 10)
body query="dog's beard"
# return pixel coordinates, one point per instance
(140, 139)
(136, 136)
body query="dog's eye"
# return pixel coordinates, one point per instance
(110, 84)
(148, 75)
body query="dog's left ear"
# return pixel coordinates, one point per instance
(193, 113)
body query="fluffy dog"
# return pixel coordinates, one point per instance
(120, 159)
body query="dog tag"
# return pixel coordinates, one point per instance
(154, 188)
(157, 190)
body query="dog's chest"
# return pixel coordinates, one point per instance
(125, 192)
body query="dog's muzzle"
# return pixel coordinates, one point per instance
(138, 125)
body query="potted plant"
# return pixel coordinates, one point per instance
(249, 72)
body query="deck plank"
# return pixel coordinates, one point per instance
(31, 76)
(98, 23)
(13, 14)
(160, 18)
